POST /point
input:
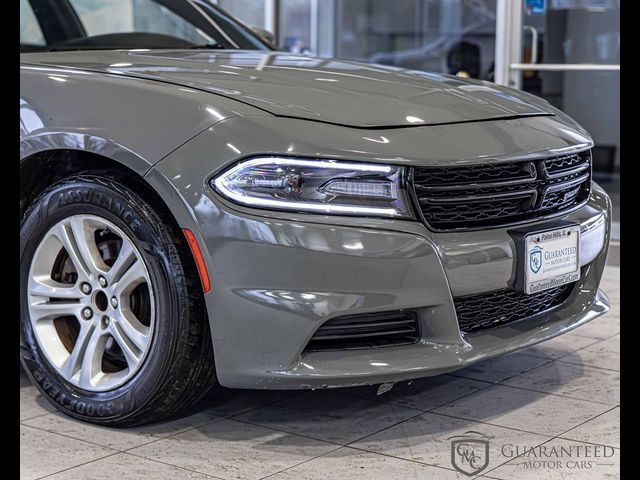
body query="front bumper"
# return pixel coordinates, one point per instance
(277, 277)
(428, 358)
(276, 281)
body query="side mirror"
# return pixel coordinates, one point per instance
(266, 35)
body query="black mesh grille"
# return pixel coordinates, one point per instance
(472, 173)
(556, 199)
(497, 194)
(560, 164)
(366, 331)
(505, 306)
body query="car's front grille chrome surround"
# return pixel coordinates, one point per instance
(503, 193)
(502, 307)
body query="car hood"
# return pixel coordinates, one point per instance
(325, 90)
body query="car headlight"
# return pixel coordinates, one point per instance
(318, 186)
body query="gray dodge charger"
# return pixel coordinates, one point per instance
(200, 210)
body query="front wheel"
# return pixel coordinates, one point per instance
(113, 325)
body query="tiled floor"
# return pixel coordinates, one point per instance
(563, 393)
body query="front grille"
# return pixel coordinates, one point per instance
(497, 308)
(499, 194)
(366, 331)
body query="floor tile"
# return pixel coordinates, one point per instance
(347, 463)
(32, 403)
(43, 453)
(522, 409)
(614, 305)
(560, 346)
(329, 416)
(612, 290)
(118, 438)
(611, 274)
(576, 381)
(600, 328)
(123, 466)
(614, 312)
(610, 284)
(570, 462)
(500, 368)
(604, 430)
(428, 439)
(422, 394)
(610, 280)
(603, 354)
(234, 450)
(225, 402)
(608, 324)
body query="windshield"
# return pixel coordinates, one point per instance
(55, 25)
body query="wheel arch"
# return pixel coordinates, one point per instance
(42, 168)
(50, 156)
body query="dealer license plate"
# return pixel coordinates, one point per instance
(551, 258)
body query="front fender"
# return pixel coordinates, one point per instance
(134, 121)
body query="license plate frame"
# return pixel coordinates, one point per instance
(547, 256)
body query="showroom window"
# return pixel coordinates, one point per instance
(451, 36)
(30, 33)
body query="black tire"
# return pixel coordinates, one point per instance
(179, 368)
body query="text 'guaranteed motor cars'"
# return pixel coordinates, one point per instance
(200, 209)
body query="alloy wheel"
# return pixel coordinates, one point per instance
(91, 302)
